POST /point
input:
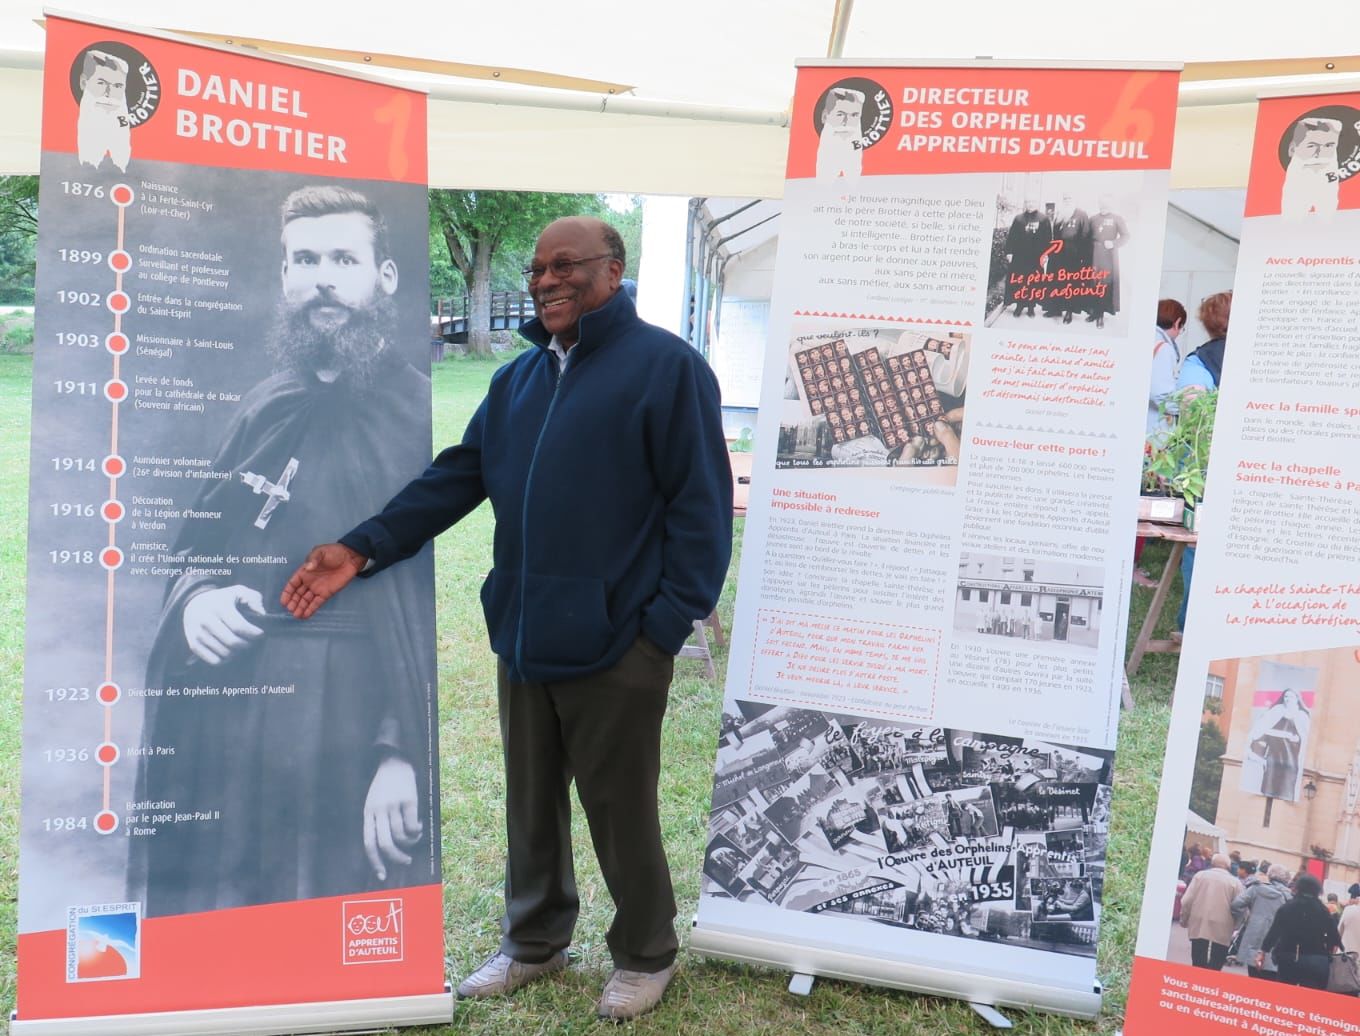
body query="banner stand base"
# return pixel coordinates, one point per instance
(989, 990)
(265, 1020)
(991, 1016)
(801, 985)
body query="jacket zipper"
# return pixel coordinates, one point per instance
(524, 518)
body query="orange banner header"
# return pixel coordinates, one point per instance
(887, 121)
(1306, 158)
(118, 96)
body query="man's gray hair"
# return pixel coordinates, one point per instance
(103, 59)
(1305, 126)
(1221, 860)
(1279, 872)
(837, 94)
(613, 241)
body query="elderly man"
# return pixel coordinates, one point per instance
(837, 152)
(102, 127)
(1031, 232)
(1312, 180)
(1206, 911)
(319, 782)
(602, 453)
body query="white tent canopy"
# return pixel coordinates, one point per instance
(700, 90)
(1197, 826)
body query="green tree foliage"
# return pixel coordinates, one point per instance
(1208, 775)
(445, 280)
(487, 237)
(18, 230)
(629, 225)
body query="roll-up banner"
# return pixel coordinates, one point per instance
(230, 818)
(914, 766)
(1263, 757)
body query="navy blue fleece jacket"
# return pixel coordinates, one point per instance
(612, 492)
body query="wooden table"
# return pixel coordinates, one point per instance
(1180, 538)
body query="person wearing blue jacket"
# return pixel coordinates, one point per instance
(1200, 373)
(602, 453)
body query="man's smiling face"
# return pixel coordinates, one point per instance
(560, 302)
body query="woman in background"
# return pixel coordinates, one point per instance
(1255, 908)
(1302, 937)
(1201, 372)
(1166, 362)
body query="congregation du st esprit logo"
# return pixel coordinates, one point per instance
(117, 90)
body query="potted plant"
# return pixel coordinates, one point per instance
(1178, 458)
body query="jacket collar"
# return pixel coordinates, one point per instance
(597, 327)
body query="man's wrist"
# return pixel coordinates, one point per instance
(361, 550)
(358, 560)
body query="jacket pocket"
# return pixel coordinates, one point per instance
(494, 606)
(565, 620)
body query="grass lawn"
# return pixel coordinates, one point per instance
(709, 997)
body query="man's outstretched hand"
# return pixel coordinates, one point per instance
(327, 570)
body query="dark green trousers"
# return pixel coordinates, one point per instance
(605, 732)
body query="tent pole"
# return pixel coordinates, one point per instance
(840, 25)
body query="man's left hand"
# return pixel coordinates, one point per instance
(327, 570)
(391, 815)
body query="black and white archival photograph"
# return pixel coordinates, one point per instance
(268, 760)
(1059, 243)
(1029, 600)
(934, 829)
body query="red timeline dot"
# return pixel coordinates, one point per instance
(115, 391)
(107, 754)
(108, 693)
(113, 511)
(116, 343)
(121, 194)
(118, 301)
(114, 466)
(120, 261)
(111, 558)
(106, 822)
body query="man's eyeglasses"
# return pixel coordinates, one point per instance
(560, 268)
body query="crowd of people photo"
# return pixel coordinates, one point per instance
(1258, 916)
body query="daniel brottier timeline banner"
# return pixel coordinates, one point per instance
(231, 364)
(915, 764)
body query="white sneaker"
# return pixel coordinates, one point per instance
(501, 975)
(629, 994)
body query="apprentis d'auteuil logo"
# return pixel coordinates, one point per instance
(371, 931)
(117, 90)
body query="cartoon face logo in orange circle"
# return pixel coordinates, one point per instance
(1319, 151)
(117, 90)
(851, 116)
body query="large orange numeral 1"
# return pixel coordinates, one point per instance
(397, 114)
